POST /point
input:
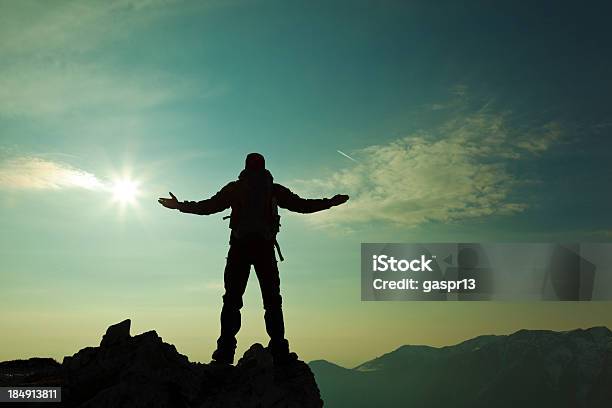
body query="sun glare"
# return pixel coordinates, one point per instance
(125, 191)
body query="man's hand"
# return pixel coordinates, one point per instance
(339, 199)
(171, 203)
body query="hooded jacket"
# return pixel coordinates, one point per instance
(249, 198)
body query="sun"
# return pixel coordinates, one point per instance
(125, 191)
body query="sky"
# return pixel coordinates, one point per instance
(456, 122)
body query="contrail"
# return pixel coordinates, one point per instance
(347, 156)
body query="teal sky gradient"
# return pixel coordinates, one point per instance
(467, 123)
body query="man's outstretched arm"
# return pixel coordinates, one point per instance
(217, 203)
(292, 202)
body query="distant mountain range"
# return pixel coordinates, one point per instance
(530, 368)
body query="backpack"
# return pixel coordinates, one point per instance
(255, 212)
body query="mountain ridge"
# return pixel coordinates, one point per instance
(527, 368)
(594, 328)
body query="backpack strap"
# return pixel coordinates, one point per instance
(280, 255)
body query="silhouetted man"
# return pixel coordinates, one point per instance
(254, 199)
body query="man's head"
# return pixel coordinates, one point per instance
(255, 161)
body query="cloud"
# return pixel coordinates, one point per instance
(34, 173)
(33, 28)
(455, 171)
(51, 90)
(58, 60)
(538, 143)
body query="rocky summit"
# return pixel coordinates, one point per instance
(143, 371)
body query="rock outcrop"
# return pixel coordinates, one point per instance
(143, 371)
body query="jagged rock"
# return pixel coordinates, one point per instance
(143, 371)
(33, 369)
(258, 379)
(116, 333)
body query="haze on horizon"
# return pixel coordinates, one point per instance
(450, 123)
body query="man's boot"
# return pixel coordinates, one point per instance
(280, 351)
(224, 354)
